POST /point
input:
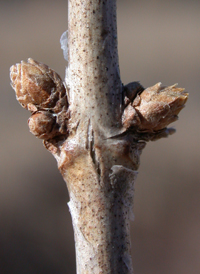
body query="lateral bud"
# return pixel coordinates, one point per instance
(37, 86)
(154, 108)
(42, 125)
(41, 90)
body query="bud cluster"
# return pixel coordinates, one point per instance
(41, 90)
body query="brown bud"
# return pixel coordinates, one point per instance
(155, 108)
(37, 86)
(43, 125)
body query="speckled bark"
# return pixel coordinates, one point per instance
(93, 71)
(101, 177)
(96, 129)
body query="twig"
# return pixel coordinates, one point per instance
(96, 128)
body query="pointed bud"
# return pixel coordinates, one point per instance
(155, 108)
(37, 86)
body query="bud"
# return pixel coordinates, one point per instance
(155, 108)
(42, 125)
(41, 90)
(37, 86)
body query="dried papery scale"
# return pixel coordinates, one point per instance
(98, 133)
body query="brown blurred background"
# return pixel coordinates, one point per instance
(158, 41)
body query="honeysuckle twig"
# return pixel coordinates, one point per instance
(96, 128)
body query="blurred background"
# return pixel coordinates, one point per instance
(159, 41)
